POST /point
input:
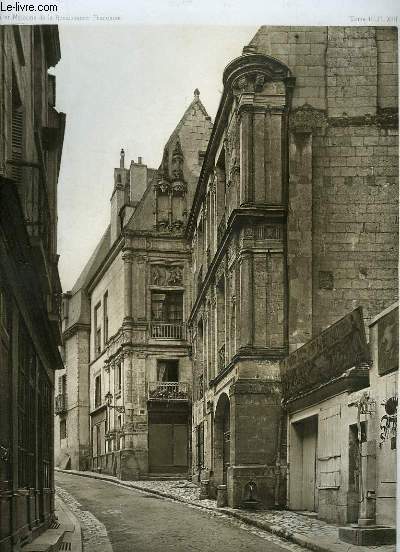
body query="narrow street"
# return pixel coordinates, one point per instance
(142, 522)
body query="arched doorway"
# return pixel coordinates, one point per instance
(222, 435)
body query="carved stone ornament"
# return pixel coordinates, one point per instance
(306, 119)
(162, 275)
(179, 187)
(162, 186)
(177, 162)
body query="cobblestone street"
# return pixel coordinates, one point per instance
(279, 527)
(123, 520)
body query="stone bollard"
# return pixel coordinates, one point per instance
(204, 488)
(221, 496)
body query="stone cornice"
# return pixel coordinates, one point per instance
(237, 217)
(78, 326)
(350, 381)
(250, 353)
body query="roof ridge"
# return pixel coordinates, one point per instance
(195, 102)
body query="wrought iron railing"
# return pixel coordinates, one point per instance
(162, 330)
(168, 391)
(60, 403)
(221, 357)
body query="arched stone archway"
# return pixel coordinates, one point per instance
(222, 432)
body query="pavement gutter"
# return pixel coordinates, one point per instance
(288, 535)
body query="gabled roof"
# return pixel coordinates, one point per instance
(94, 262)
(196, 102)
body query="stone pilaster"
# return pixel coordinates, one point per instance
(246, 299)
(128, 259)
(304, 122)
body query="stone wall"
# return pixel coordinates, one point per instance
(343, 171)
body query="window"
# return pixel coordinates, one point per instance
(200, 445)
(105, 318)
(62, 385)
(202, 155)
(63, 429)
(97, 392)
(200, 389)
(26, 409)
(118, 379)
(17, 132)
(97, 330)
(167, 370)
(167, 307)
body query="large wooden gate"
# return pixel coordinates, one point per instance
(168, 443)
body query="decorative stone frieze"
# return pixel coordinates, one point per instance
(307, 119)
(166, 275)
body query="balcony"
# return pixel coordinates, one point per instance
(60, 403)
(221, 358)
(163, 330)
(168, 391)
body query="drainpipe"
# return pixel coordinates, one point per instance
(278, 459)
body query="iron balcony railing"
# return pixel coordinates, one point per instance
(163, 330)
(168, 391)
(61, 403)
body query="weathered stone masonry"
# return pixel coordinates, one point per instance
(322, 179)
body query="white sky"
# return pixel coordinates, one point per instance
(127, 85)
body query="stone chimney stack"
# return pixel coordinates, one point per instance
(138, 180)
(120, 196)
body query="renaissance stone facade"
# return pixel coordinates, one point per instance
(31, 139)
(254, 235)
(128, 370)
(293, 226)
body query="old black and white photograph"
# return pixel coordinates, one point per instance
(198, 276)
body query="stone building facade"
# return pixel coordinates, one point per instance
(340, 396)
(294, 224)
(31, 138)
(271, 225)
(128, 373)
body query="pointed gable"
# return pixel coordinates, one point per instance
(181, 162)
(192, 132)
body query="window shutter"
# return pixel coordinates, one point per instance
(17, 133)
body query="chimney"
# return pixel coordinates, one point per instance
(138, 180)
(120, 196)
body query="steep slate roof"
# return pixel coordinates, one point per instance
(197, 119)
(94, 262)
(193, 131)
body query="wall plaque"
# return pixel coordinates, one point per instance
(335, 350)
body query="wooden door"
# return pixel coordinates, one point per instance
(168, 448)
(309, 453)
